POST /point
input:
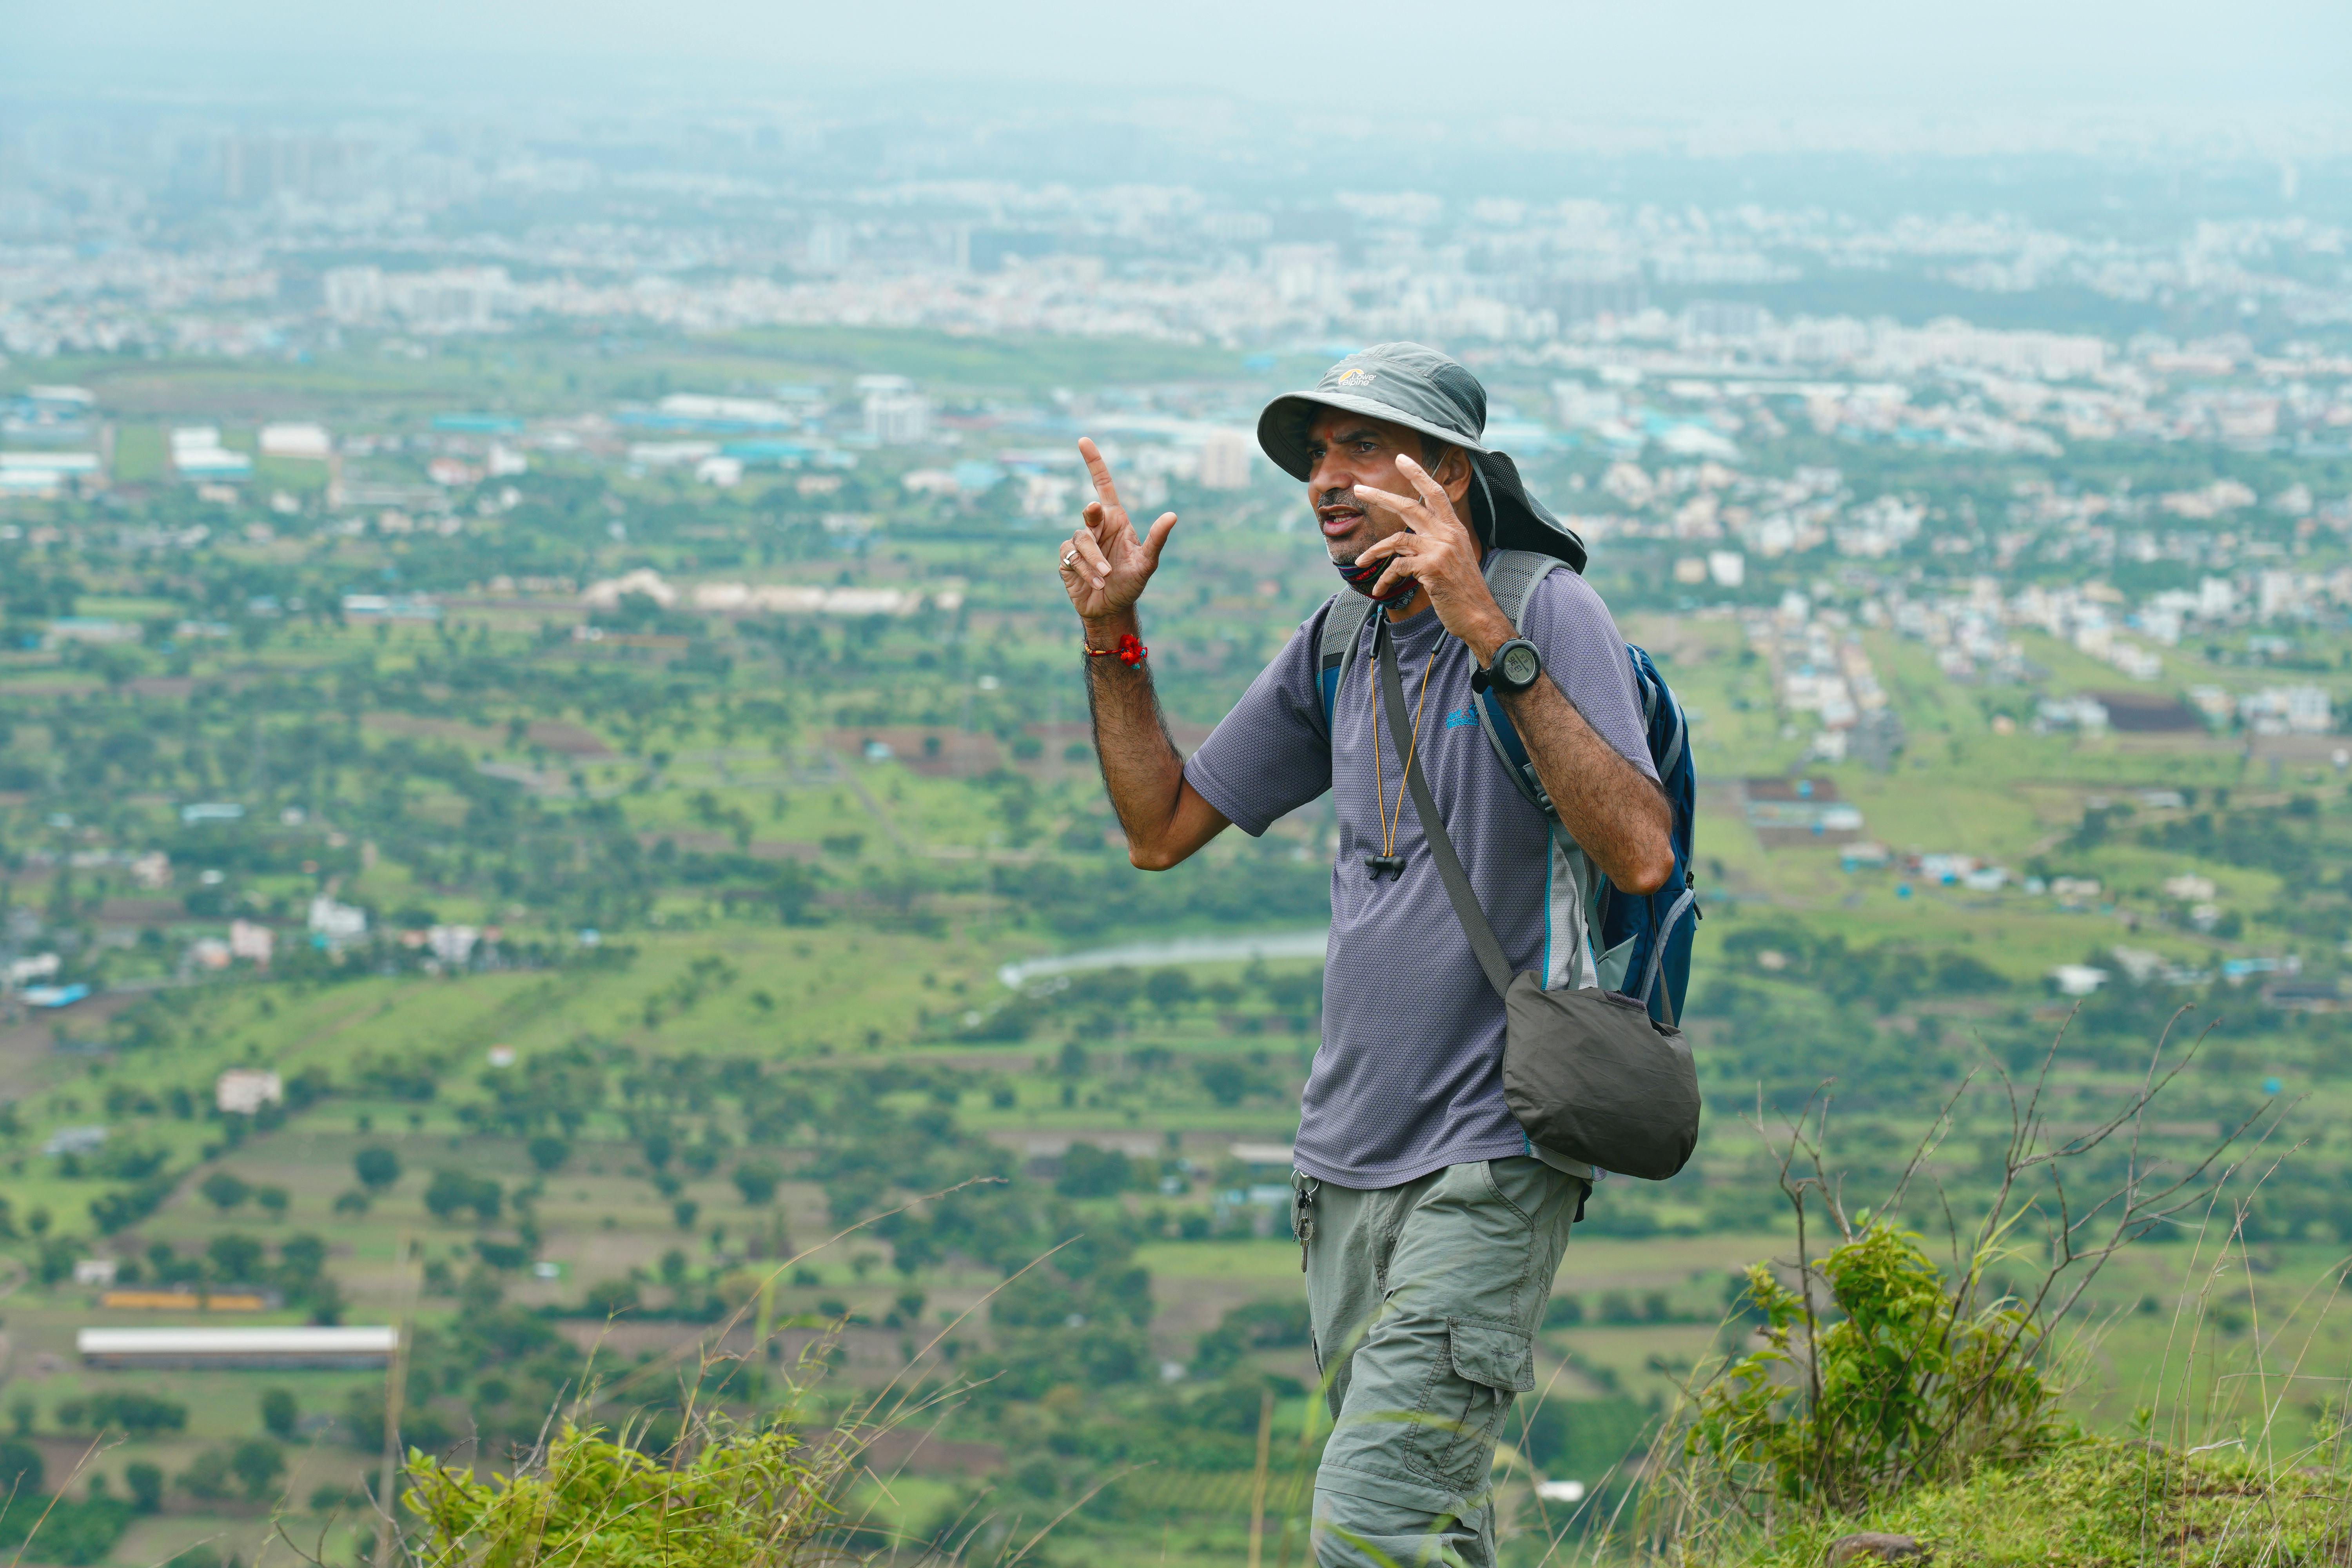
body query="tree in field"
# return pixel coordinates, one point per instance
(146, 1484)
(548, 1152)
(756, 1180)
(453, 1190)
(278, 1412)
(378, 1168)
(258, 1462)
(1169, 989)
(20, 1466)
(226, 1190)
(236, 1259)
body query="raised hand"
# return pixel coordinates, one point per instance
(1436, 549)
(1104, 564)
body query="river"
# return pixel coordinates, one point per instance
(1175, 950)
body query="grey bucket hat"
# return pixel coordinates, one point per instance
(1421, 389)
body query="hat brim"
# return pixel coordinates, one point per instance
(1282, 428)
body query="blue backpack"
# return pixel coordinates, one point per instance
(1659, 956)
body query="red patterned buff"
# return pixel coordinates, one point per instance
(1361, 578)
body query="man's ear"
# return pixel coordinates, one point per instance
(1453, 475)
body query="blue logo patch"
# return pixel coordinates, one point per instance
(1465, 716)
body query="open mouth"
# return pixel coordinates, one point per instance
(1339, 519)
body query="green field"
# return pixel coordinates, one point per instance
(737, 891)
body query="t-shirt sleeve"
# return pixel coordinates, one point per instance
(1270, 756)
(1584, 652)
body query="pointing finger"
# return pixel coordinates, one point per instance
(1099, 471)
(1402, 506)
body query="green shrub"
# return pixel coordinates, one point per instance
(208, 1475)
(139, 1414)
(69, 1533)
(20, 1466)
(1914, 1383)
(146, 1484)
(750, 1495)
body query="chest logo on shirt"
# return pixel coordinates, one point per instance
(1456, 720)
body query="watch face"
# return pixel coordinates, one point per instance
(1520, 666)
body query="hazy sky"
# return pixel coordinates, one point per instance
(1364, 58)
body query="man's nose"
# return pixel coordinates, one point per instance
(1330, 473)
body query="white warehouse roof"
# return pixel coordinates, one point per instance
(274, 1347)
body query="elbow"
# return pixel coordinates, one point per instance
(1151, 857)
(1653, 870)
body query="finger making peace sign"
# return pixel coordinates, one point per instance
(1435, 550)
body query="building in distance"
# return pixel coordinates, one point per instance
(342, 1349)
(243, 1091)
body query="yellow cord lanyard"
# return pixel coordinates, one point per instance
(1387, 862)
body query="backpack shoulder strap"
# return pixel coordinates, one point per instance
(1511, 577)
(1658, 699)
(1343, 623)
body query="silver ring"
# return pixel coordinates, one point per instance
(1073, 555)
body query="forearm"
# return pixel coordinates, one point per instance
(1165, 819)
(1609, 807)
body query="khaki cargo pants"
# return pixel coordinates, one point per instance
(1424, 1299)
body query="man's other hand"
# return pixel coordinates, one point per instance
(1104, 564)
(1434, 550)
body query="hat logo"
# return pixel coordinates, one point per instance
(1357, 373)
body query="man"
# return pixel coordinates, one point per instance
(1430, 1227)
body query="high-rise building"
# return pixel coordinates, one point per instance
(353, 294)
(897, 418)
(1226, 461)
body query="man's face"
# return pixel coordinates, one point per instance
(1350, 449)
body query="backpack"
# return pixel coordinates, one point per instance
(1658, 933)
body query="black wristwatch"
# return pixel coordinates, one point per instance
(1515, 667)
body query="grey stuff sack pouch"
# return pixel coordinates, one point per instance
(1590, 1074)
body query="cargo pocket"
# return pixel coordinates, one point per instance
(1486, 1364)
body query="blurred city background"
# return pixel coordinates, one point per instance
(543, 766)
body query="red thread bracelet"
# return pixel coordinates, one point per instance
(1129, 650)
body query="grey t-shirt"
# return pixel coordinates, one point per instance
(1409, 1077)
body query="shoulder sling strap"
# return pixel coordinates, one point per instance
(1474, 924)
(1488, 951)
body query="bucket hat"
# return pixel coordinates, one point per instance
(1416, 386)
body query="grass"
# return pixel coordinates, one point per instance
(2103, 1502)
